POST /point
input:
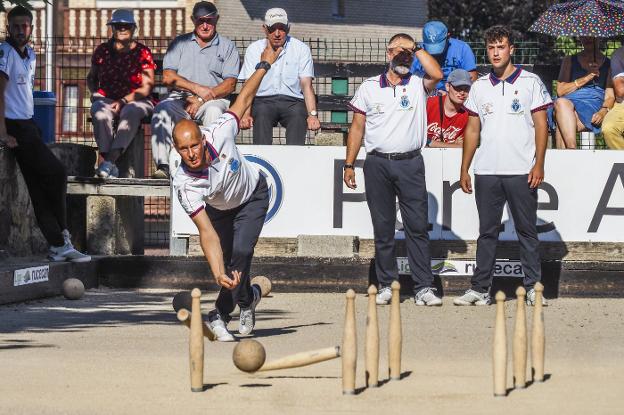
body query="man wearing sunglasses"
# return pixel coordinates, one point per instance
(285, 95)
(200, 69)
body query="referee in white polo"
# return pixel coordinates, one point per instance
(508, 119)
(390, 113)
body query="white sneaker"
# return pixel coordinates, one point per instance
(220, 330)
(67, 252)
(247, 319)
(427, 296)
(472, 297)
(530, 298)
(384, 296)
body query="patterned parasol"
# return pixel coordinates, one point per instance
(596, 18)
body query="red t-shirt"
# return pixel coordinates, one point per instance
(121, 73)
(452, 127)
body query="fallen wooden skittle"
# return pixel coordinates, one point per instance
(302, 359)
(184, 316)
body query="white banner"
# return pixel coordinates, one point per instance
(30, 275)
(582, 198)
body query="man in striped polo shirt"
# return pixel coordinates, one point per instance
(508, 120)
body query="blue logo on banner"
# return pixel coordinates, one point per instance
(274, 183)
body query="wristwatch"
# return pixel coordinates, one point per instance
(314, 113)
(347, 166)
(263, 65)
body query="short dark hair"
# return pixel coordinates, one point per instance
(401, 36)
(19, 11)
(498, 32)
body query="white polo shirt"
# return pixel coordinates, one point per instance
(396, 116)
(230, 179)
(505, 108)
(293, 63)
(20, 70)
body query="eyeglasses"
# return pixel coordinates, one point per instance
(205, 20)
(122, 27)
(277, 26)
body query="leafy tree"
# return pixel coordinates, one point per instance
(468, 19)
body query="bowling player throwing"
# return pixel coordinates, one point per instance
(227, 199)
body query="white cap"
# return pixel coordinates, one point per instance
(275, 15)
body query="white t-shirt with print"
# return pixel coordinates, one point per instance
(18, 94)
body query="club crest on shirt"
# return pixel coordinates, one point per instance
(515, 105)
(234, 165)
(404, 101)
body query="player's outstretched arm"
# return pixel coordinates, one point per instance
(211, 245)
(248, 93)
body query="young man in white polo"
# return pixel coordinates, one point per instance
(507, 111)
(227, 199)
(43, 173)
(390, 113)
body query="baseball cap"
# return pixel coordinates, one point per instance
(434, 37)
(275, 15)
(124, 16)
(459, 77)
(203, 9)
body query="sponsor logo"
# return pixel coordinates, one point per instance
(274, 183)
(31, 275)
(442, 267)
(450, 267)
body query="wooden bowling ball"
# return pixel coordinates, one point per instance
(264, 283)
(73, 288)
(249, 355)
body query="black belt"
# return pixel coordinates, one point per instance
(396, 156)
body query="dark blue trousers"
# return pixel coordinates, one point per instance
(238, 231)
(385, 181)
(491, 193)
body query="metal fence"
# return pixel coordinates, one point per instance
(71, 59)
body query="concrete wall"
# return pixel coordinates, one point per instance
(19, 233)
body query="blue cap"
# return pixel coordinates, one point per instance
(435, 34)
(459, 77)
(123, 16)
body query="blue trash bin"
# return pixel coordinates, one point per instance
(45, 105)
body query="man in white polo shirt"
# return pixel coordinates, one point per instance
(286, 95)
(227, 199)
(43, 173)
(390, 112)
(508, 119)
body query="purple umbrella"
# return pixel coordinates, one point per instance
(591, 18)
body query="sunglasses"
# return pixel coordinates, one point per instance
(278, 26)
(122, 27)
(205, 20)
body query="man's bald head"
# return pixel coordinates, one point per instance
(186, 130)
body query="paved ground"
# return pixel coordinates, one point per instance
(123, 352)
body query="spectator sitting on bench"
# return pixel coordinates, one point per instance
(121, 79)
(446, 115)
(613, 123)
(201, 69)
(585, 92)
(285, 94)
